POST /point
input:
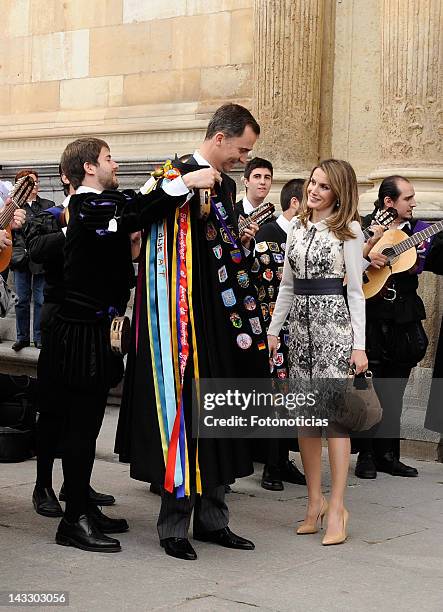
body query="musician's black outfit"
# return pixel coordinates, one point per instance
(76, 359)
(395, 343)
(45, 240)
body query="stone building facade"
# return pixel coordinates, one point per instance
(356, 79)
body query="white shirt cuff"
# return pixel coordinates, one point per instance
(176, 187)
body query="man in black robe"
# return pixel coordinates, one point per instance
(77, 360)
(226, 339)
(45, 241)
(267, 268)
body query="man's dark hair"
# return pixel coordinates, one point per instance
(65, 186)
(231, 119)
(291, 189)
(78, 153)
(389, 188)
(25, 172)
(257, 162)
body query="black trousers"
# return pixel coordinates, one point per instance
(385, 437)
(83, 417)
(210, 513)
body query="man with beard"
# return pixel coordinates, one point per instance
(395, 338)
(77, 360)
(211, 328)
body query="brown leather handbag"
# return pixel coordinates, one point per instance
(362, 409)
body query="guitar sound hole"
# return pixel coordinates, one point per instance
(389, 252)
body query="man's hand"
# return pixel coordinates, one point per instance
(18, 219)
(4, 240)
(248, 234)
(202, 179)
(378, 260)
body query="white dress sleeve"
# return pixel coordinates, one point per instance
(353, 250)
(285, 293)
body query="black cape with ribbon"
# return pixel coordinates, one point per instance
(228, 343)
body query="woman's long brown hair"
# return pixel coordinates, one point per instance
(343, 182)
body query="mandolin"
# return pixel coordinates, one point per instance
(399, 249)
(19, 195)
(262, 213)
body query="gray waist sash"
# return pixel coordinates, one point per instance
(318, 286)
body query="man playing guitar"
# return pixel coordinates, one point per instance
(396, 340)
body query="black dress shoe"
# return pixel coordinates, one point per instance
(180, 548)
(271, 479)
(38, 345)
(224, 537)
(45, 502)
(85, 534)
(99, 499)
(155, 488)
(290, 473)
(106, 524)
(365, 467)
(19, 345)
(391, 465)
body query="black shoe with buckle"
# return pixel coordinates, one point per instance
(271, 479)
(19, 345)
(45, 502)
(391, 465)
(365, 466)
(180, 548)
(106, 524)
(290, 473)
(99, 499)
(224, 537)
(84, 534)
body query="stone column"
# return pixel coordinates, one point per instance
(288, 37)
(411, 113)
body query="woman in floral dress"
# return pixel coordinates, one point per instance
(327, 336)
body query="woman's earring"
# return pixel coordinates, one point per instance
(337, 204)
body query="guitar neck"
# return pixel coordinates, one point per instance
(417, 238)
(260, 214)
(7, 214)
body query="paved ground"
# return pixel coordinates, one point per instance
(393, 559)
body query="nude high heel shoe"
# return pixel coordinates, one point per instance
(340, 537)
(308, 528)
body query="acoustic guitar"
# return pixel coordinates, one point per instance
(19, 195)
(399, 249)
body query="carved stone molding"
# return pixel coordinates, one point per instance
(288, 38)
(412, 82)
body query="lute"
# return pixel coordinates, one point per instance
(399, 249)
(19, 195)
